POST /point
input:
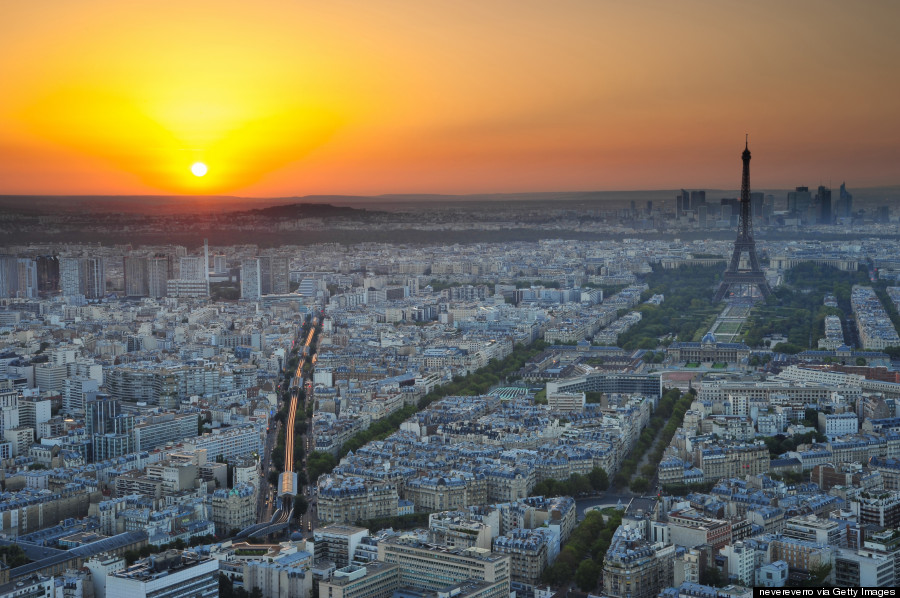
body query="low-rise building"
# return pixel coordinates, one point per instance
(173, 574)
(375, 580)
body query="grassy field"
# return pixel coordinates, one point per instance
(728, 328)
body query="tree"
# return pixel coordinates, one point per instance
(860, 361)
(712, 576)
(226, 587)
(640, 484)
(300, 507)
(14, 555)
(599, 479)
(587, 574)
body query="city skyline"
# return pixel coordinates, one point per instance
(289, 98)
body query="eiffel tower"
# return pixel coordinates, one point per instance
(736, 281)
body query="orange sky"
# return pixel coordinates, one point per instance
(288, 97)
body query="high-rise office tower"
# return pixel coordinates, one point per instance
(844, 208)
(82, 276)
(281, 272)
(9, 276)
(157, 275)
(756, 204)
(220, 264)
(798, 201)
(98, 412)
(192, 268)
(206, 261)
(251, 285)
(28, 280)
(48, 273)
(823, 204)
(265, 274)
(111, 432)
(94, 273)
(685, 198)
(137, 272)
(698, 198)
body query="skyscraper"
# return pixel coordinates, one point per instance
(94, 276)
(844, 207)
(220, 264)
(798, 201)
(9, 276)
(82, 276)
(265, 274)
(685, 201)
(48, 273)
(251, 285)
(28, 280)
(756, 204)
(192, 268)
(110, 430)
(157, 275)
(281, 271)
(823, 205)
(137, 283)
(698, 198)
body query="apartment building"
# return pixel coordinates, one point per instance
(433, 567)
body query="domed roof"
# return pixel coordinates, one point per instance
(709, 337)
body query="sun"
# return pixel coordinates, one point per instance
(198, 168)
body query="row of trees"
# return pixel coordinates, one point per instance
(781, 444)
(595, 481)
(227, 589)
(13, 556)
(685, 489)
(662, 427)
(410, 521)
(476, 383)
(796, 310)
(581, 558)
(891, 309)
(686, 311)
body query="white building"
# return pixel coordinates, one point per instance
(101, 567)
(35, 586)
(192, 268)
(835, 425)
(566, 401)
(251, 282)
(171, 574)
(236, 441)
(772, 575)
(741, 562)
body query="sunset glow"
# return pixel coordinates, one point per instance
(286, 97)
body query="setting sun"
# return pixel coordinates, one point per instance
(198, 168)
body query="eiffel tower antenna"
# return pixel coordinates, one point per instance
(735, 281)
